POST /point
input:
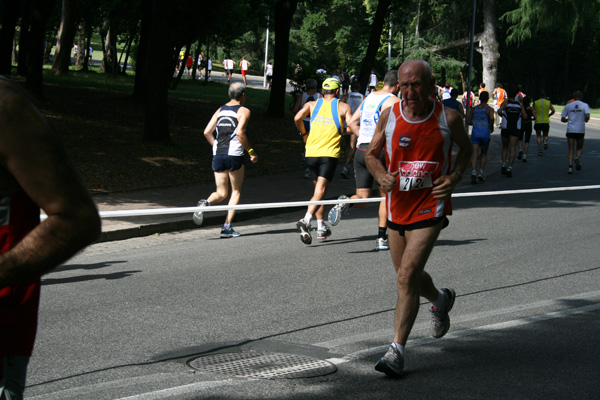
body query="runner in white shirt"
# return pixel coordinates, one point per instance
(575, 114)
(244, 65)
(363, 123)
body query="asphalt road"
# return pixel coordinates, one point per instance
(120, 320)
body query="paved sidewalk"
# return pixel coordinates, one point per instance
(269, 189)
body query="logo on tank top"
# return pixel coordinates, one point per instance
(404, 141)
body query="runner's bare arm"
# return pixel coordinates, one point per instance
(445, 184)
(354, 124)
(243, 118)
(210, 128)
(346, 112)
(32, 158)
(300, 115)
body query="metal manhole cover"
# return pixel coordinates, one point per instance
(262, 364)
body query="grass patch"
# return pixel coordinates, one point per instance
(187, 90)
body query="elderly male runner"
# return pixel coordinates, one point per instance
(364, 120)
(229, 122)
(327, 117)
(417, 135)
(34, 174)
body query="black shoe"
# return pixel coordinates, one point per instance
(509, 172)
(474, 179)
(520, 156)
(577, 164)
(503, 170)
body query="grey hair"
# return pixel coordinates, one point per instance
(236, 90)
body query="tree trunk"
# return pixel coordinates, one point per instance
(40, 10)
(82, 52)
(182, 66)
(284, 11)
(158, 73)
(109, 61)
(88, 45)
(195, 66)
(489, 53)
(418, 21)
(141, 64)
(66, 36)
(10, 14)
(24, 40)
(374, 40)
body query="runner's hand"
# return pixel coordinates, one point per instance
(389, 181)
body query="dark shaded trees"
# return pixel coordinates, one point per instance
(66, 38)
(374, 41)
(10, 14)
(284, 11)
(40, 11)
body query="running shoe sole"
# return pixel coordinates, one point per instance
(304, 232)
(335, 214)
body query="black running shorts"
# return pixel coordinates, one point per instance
(364, 179)
(545, 128)
(223, 162)
(428, 223)
(322, 166)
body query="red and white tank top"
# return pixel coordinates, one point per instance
(19, 303)
(421, 151)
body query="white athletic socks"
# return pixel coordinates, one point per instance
(399, 347)
(320, 224)
(307, 218)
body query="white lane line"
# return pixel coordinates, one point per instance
(179, 390)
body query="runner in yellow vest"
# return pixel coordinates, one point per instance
(327, 117)
(543, 112)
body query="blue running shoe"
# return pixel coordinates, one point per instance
(228, 233)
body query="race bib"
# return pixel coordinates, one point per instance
(416, 174)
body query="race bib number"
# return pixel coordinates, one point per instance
(416, 174)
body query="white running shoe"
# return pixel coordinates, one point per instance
(324, 233)
(304, 232)
(382, 244)
(198, 216)
(440, 320)
(335, 214)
